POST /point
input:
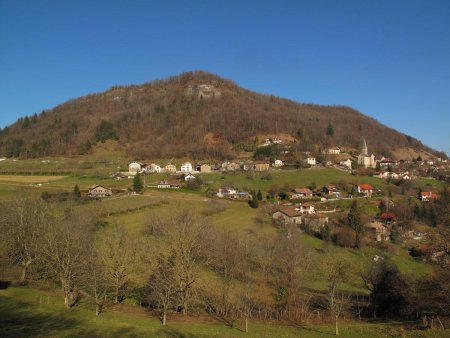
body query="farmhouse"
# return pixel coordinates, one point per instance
(288, 215)
(99, 191)
(377, 231)
(300, 193)
(314, 223)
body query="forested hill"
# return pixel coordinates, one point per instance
(196, 114)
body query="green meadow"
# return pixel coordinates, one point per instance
(26, 312)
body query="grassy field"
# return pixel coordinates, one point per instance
(24, 312)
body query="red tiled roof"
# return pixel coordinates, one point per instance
(429, 194)
(388, 215)
(365, 186)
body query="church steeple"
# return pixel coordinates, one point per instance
(364, 150)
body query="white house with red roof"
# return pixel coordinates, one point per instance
(365, 189)
(427, 196)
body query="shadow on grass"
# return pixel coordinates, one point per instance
(22, 319)
(4, 284)
(312, 329)
(173, 333)
(26, 319)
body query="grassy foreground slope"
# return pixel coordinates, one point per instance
(23, 315)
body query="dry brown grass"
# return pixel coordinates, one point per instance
(29, 179)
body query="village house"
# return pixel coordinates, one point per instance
(243, 195)
(226, 192)
(248, 166)
(186, 167)
(365, 189)
(269, 141)
(135, 167)
(331, 190)
(388, 218)
(154, 168)
(307, 209)
(205, 168)
(426, 196)
(314, 223)
(298, 193)
(311, 160)
(333, 151)
(99, 191)
(262, 165)
(288, 215)
(406, 176)
(278, 163)
(230, 166)
(170, 168)
(346, 163)
(377, 231)
(169, 184)
(388, 175)
(386, 163)
(189, 177)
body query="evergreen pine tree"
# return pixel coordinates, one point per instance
(138, 186)
(76, 192)
(354, 221)
(254, 202)
(259, 195)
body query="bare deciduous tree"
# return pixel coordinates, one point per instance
(292, 262)
(95, 280)
(162, 285)
(189, 236)
(336, 272)
(120, 254)
(64, 250)
(23, 225)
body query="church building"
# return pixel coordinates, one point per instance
(364, 159)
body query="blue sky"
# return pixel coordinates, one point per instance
(388, 59)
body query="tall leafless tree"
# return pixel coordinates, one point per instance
(23, 224)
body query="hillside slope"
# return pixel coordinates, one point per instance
(196, 114)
